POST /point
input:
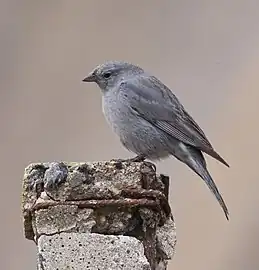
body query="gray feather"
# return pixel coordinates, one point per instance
(150, 121)
(197, 164)
(153, 101)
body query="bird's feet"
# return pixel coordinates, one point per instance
(139, 158)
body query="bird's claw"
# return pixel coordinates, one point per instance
(139, 158)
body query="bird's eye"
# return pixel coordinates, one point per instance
(107, 75)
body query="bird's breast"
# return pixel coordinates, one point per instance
(118, 113)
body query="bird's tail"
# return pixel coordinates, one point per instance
(214, 154)
(197, 163)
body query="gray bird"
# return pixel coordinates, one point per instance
(150, 120)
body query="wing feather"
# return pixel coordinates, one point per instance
(155, 102)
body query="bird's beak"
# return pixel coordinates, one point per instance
(90, 77)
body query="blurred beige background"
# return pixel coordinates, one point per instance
(206, 51)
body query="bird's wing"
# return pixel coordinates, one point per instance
(155, 102)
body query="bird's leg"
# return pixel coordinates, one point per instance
(138, 158)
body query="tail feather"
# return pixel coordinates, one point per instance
(214, 154)
(197, 163)
(204, 174)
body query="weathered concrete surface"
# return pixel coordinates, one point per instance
(80, 201)
(91, 251)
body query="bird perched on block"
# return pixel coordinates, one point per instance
(150, 120)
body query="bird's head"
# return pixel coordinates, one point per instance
(110, 73)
